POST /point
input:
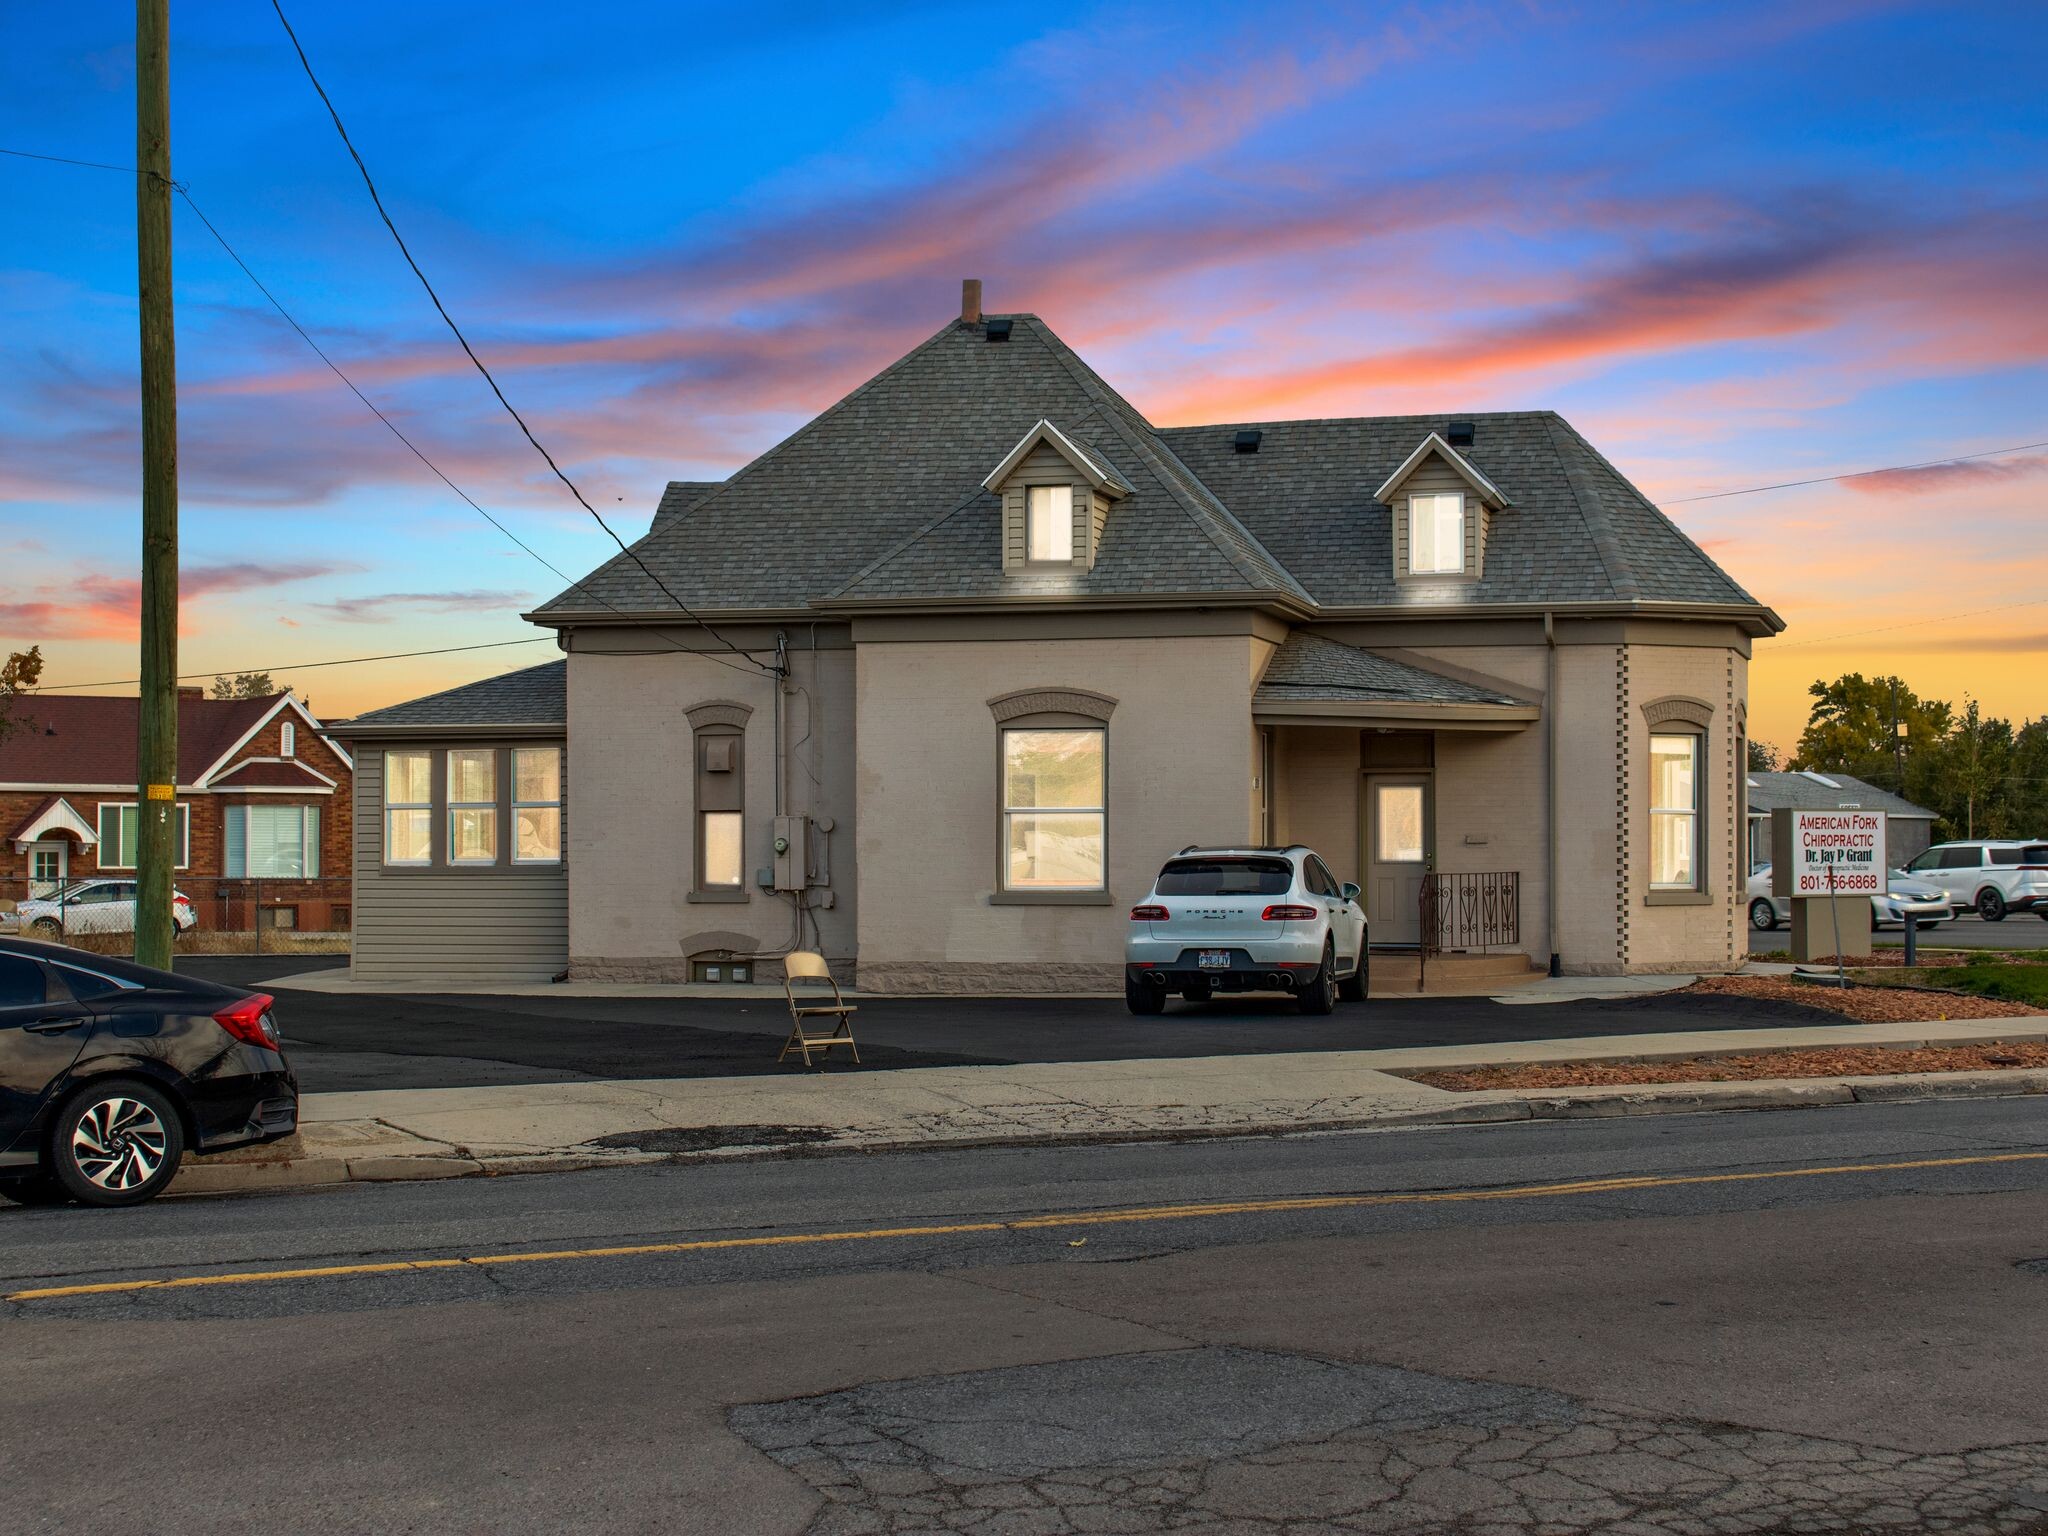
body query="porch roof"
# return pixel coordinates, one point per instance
(1313, 678)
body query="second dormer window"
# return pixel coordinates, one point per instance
(1436, 533)
(1049, 520)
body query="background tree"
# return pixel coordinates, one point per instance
(245, 685)
(1973, 779)
(1849, 728)
(1763, 757)
(18, 675)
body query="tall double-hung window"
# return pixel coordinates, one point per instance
(1054, 812)
(1675, 819)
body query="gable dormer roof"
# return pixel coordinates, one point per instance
(1093, 469)
(1482, 487)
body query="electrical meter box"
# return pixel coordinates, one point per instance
(792, 852)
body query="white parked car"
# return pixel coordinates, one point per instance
(1995, 877)
(1246, 920)
(93, 906)
(1905, 897)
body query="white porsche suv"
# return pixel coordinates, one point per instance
(1246, 920)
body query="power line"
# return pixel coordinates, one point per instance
(1855, 474)
(371, 405)
(307, 666)
(1939, 618)
(406, 251)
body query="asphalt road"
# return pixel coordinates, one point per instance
(353, 1042)
(2020, 930)
(1822, 1320)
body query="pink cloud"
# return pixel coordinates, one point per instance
(1953, 474)
(96, 606)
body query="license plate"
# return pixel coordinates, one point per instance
(1213, 959)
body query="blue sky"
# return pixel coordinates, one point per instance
(1733, 243)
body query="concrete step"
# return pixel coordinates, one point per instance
(1453, 975)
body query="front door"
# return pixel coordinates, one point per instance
(47, 862)
(1396, 855)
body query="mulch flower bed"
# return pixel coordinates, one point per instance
(1870, 1005)
(1867, 1061)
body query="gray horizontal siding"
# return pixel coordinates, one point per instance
(482, 925)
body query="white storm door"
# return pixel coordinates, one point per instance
(47, 864)
(1396, 856)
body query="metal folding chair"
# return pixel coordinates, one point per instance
(808, 965)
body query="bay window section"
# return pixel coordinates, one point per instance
(1054, 811)
(473, 806)
(271, 842)
(1436, 534)
(1675, 786)
(409, 807)
(536, 805)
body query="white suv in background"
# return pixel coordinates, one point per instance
(1993, 876)
(1246, 920)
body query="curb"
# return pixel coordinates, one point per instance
(202, 1178)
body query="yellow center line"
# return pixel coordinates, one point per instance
(1619, 1184)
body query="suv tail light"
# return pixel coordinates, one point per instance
(249, 1021)
(1288, 914)
(1150, 915)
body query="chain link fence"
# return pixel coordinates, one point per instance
(212, 915)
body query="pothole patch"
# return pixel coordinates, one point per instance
(709, 1138)
(2032, 1266)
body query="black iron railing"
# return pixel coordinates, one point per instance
(1471, 911)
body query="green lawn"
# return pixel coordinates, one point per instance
(2014, 983)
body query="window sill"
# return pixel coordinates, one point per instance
(1678, 899)
(725, 896)
(1049, 899)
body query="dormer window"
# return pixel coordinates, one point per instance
(1049, 535)
(1436, 533)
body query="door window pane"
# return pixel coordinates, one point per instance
(724, 853)
(1397, 824)
(1053, 809)
(1050, 522)
(22, 986)
(1674, 811)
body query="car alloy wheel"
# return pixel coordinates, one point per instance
(1319, 993)
(1763, 917)
(117, 1145)
(48, 926)
(1353, 988)
(1991, 906)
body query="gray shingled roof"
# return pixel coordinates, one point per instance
(880, 498)
(1771, 791)
(1310, 667)
(531, 696)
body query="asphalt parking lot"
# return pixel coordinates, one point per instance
(343, 1043)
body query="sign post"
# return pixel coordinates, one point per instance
(1830, 863)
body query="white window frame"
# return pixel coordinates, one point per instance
(489, 755)
(519, 805)
(184, 859)
(1435, 513)
(1692, 815)
(1009, 812)
(309, 841)
(1059, 541)
(426, 805)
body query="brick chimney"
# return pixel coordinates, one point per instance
(970, 301)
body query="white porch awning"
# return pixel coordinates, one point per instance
(55, 814)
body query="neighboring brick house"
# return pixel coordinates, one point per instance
(264, 804)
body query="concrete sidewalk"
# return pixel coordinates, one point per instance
(552, 1127)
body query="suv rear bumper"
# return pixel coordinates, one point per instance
(1243, 974)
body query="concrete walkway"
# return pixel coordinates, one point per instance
(450, 1132)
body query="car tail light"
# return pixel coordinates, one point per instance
(249, 1021)
(1287, 914)
(181, 900)
(1150, 914)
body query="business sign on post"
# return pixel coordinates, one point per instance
(1849, 845)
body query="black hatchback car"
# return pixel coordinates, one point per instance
(110, 1072)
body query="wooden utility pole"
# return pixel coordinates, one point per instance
(156, 819)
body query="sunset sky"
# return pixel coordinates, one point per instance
(1734, 244)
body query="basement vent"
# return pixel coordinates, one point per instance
(998, 330)
(1248, 442)
(1459, 435)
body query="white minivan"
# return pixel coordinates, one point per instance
(1994, 877)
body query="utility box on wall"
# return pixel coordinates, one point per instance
(792, 852)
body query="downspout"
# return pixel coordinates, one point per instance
(1550, 788)
(781, 684)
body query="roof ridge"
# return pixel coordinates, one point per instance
(428, 698)
(1598, 528)
(746, 469)
(1114, 405)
